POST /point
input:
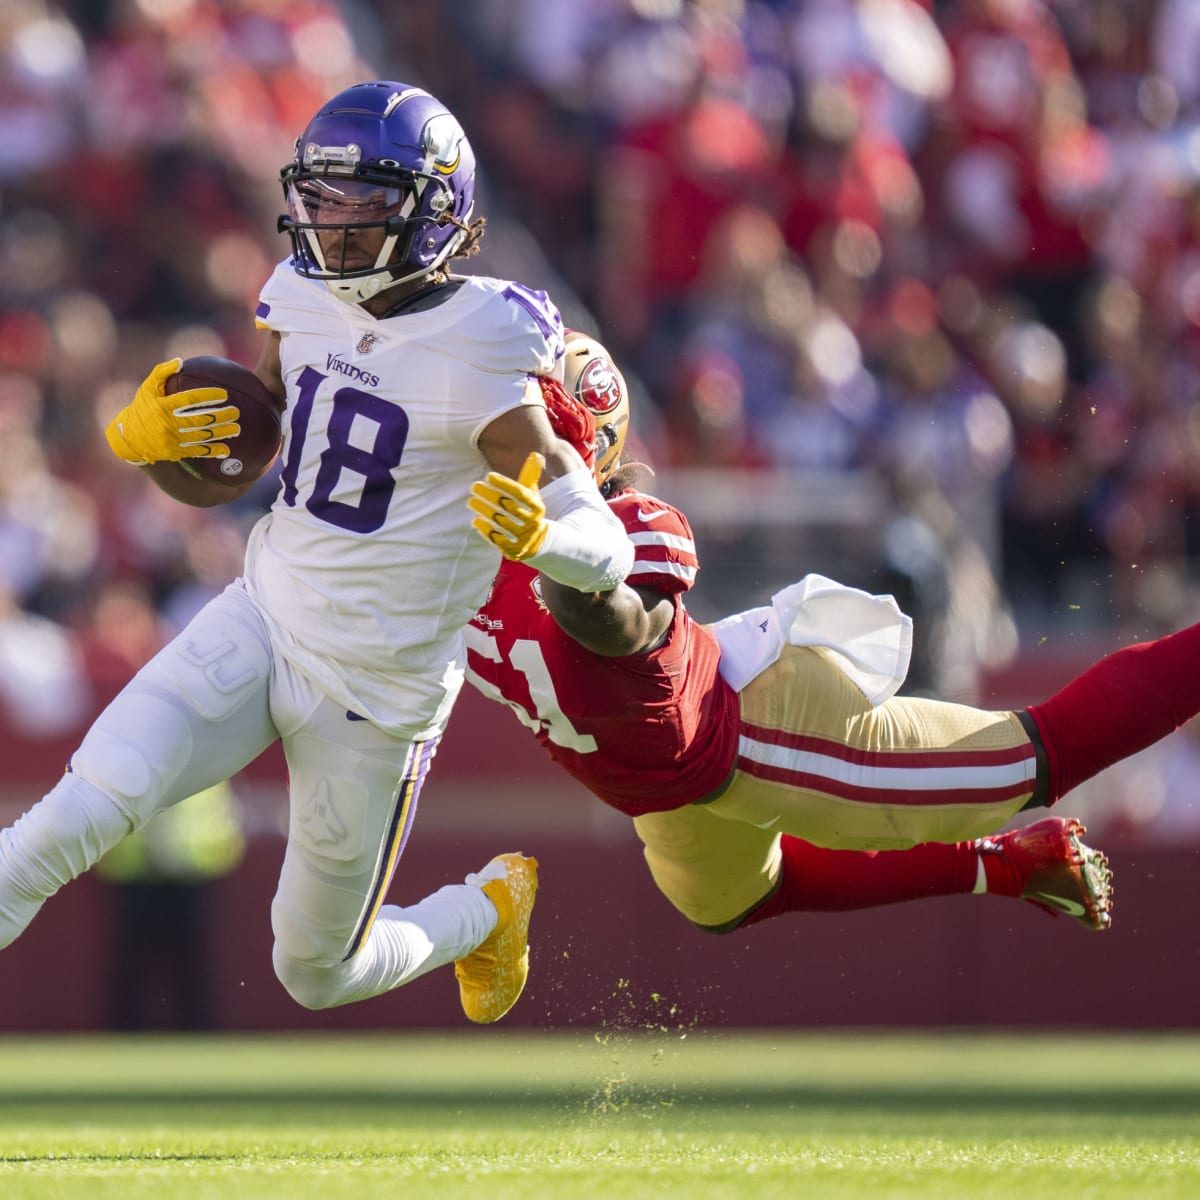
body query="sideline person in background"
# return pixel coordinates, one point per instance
(161, 880)
(399, 383)
(767, 762)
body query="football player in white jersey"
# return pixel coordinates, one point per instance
(343, 637)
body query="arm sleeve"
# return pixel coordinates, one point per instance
(586, 545)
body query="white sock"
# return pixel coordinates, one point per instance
(403, 945)
(980, 878)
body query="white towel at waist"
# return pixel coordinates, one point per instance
(869, 638)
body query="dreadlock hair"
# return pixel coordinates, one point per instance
(474, 231)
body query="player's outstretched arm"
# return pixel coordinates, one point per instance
(625, 620)
(562, 527)
(612, 621)
(509, 440)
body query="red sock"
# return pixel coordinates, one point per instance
(1119, 706)
(1002, 872)
(814, 879)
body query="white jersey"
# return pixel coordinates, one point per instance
(366, 567)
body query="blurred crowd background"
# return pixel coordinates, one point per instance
(909, 291)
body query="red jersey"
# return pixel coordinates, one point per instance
(644, 732)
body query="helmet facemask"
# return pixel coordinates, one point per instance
(380, 191)
(329, 211)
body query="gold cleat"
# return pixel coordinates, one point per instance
(492, 976)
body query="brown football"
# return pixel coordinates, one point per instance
(256, 447)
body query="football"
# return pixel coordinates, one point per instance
(253, 451)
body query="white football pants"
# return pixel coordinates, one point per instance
(196, 714)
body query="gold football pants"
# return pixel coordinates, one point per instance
(816, 761)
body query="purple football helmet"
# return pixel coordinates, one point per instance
(380, 155)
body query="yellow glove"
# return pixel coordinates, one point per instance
(509, 512)
(159, 428)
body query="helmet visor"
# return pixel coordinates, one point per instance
(331, 200)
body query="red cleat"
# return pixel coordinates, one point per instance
(1061, 874)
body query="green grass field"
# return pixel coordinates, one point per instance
(497, 1116)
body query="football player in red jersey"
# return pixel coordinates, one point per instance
(809, 785)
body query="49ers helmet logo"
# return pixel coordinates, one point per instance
(599, 387)
(590, 375)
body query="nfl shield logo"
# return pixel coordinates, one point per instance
(366, 342)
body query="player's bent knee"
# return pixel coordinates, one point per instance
(726, 927)
(311, 985)
(712, 920)
(704, 917)
(307, 961)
